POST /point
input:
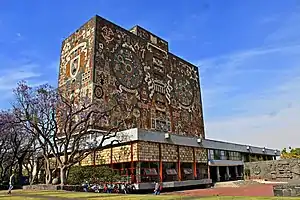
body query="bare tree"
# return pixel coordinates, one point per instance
(63, 126)
(16, 141)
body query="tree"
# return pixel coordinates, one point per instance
(294, 153)
(17, 144)
(62, 125)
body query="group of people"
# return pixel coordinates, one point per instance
(124, 188)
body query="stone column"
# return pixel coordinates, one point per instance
(227, 172)
(218, 174)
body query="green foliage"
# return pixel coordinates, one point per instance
(294, 153)
(92, 174)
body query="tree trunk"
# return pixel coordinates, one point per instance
(48, 173)
(63, 176)
(20, 170)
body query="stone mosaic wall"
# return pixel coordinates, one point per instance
(277, 170)
(88, 161)
(169, 153)
(186, 154)
(148, 151)
(134, 73)
(201, 155)
(103, 157)
(76, 61)
(121, 154)
(135, 151)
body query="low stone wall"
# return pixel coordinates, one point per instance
(76, 188)
(287, 190)
(41, 187)
(275, 170)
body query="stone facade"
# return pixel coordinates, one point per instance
(134, 73)
(103, 157)
(276, 170)
(148, 151)
(169, 153)
(88, 161)
(186, 154)
(121, 154)
(201, 155)
(287, 190)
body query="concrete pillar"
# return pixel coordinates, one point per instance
(138, 172)
(218, 174)
(227, 172)
(236, 171)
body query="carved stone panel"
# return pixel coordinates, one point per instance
(277, 170)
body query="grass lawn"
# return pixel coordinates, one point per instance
(61, 195)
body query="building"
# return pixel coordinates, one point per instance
(157, 95)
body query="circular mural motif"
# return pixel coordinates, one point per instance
(128, 68)
(184, 91)
(98, 92)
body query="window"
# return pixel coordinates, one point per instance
(202, 171)
(217, 154)
(211, 154)
(235, 155)
(187, 171)
(149, 171)
(224, 155)
(170, 172)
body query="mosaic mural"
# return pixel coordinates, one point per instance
(133, 73)
(76, 63)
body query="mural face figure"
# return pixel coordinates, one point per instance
(74, 66)
(184, 91)
(128, 68)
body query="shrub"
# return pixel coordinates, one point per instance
(92, 174)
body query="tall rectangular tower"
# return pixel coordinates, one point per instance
(134, 73)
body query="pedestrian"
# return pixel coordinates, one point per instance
(11, 183)
(85, 186)
(157, 188)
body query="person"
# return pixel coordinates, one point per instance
(11, 183)
(157, 188)
(85, 186)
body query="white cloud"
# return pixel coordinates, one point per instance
(253, 96)
(276, 122)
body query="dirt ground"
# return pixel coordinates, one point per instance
(262, 190)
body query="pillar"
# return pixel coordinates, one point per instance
(138, 172)
(194, 164)
(178, 163)
(236, 171)
(132, 177)
(218, 174)
(160, 164)
(227, 172)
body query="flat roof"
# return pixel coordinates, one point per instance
(155, 136)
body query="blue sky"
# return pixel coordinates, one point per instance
(248, 53)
